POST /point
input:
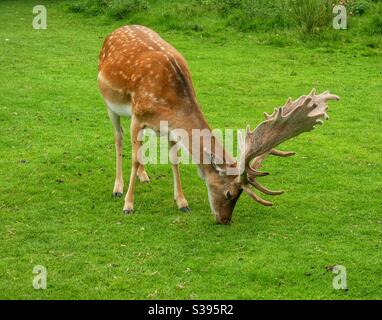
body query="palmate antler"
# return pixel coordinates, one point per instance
(296, 117)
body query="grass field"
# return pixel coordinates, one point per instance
(57, 172)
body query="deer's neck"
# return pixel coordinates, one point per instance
(200, 139)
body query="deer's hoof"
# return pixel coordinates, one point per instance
(117, 194)
(128, 211)
(143, 177)
(185, 209)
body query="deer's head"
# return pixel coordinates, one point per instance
(227, 182)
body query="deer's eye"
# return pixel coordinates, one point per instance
(228, 195)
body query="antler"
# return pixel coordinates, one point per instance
(296, 117)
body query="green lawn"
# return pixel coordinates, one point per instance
(57, 173)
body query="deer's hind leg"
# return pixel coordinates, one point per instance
(135, 127)
(142, 174)
(118, 136)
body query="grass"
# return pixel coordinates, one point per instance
(57, 172)
(217, 17)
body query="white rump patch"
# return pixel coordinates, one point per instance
(123, 110)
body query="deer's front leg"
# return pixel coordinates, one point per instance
(129, 199)
(178, 192)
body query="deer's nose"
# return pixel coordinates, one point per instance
(223, 220)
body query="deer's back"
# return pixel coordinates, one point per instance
(138, 67)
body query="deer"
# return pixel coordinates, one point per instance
(143, 77)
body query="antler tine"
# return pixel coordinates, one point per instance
(280, 153)
(252, 171)
(263, 189)
(255, 197)
(267, 115)
(326, 96)
(248, 130)
(256, 173)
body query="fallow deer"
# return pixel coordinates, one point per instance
(143, 77)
